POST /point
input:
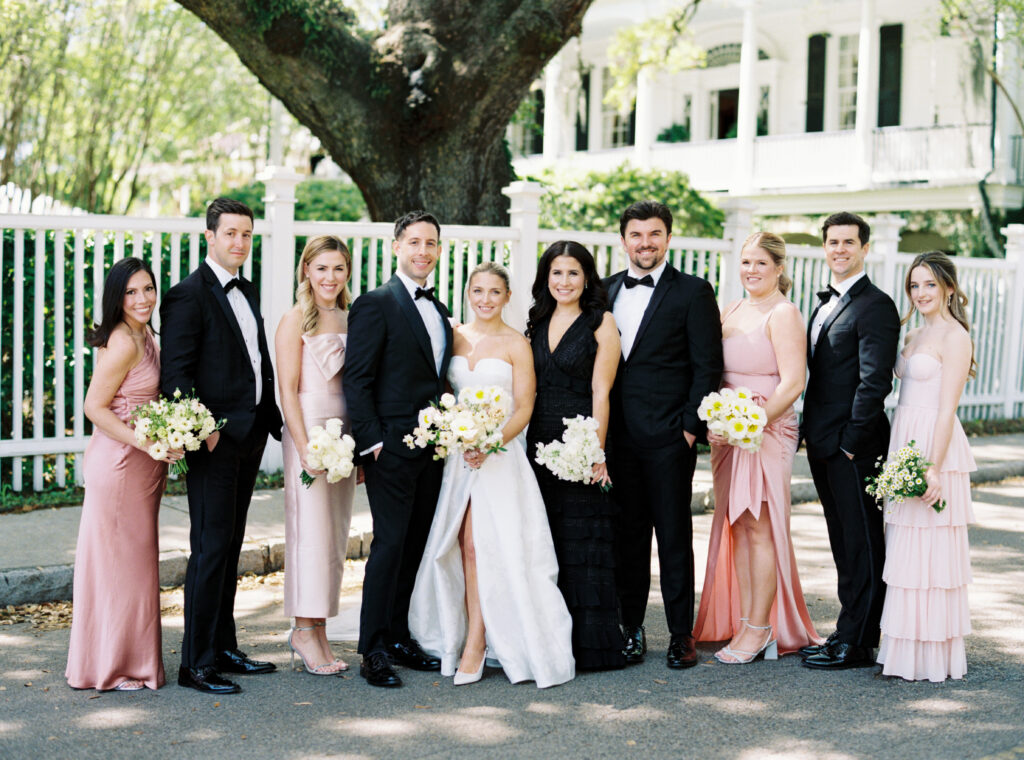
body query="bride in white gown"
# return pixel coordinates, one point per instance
(487, 583)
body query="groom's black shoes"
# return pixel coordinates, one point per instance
(840, 656)
(376, 669)
(636, 644)
(206, 680)
(812, 649)
(411, 655)
(233, 661)
(682, 652)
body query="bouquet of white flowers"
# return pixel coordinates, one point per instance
(573, 458)
(901, 477)
(181, 423)
(327, 449)
(732, 413)
(473, 421)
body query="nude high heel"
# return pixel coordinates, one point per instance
(770, 649)
(462, 678)
(327, 669)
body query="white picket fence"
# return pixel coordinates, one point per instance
(66, 258)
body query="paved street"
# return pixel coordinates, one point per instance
(765, 710)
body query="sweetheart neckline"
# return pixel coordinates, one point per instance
(484, 359)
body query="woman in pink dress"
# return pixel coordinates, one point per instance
(310, 346)
(927, 557)
(115, 629)
(752, 593)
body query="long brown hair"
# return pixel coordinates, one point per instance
(303, 292)
(944, 271)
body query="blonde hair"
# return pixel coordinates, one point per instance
(944, 271)
(775, 247)
(490, 267)
(303, 291)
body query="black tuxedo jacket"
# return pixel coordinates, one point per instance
(389, 367)
(202, 349)
(676, 360)
(850, 374)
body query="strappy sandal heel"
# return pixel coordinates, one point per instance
(327, 669)
(342, 665)
(770, 649)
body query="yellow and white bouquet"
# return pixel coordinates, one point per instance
(328, 449)
(474, 420)
(183, 422)
(733, 413)
(573, 458)
(901, 477)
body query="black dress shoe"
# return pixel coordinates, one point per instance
(233, 661)
(811, 649)
(636, 644)
(376, 669)
(206, 680)
(409, 654)
(840, 656)
(682, 652)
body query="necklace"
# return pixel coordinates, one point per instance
(326, 308)
(767, 298)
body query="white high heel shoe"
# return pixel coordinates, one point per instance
(770, 649)
(462, 678)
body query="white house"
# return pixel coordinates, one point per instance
(804, 107)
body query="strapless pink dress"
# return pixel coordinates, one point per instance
(115, 628)
(927, 556)
(744, 480)
(316, 518)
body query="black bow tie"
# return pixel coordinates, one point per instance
(632, 282)
(826, 294)
(234, 282)
(427, 293)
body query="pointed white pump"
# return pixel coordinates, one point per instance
(462, 678)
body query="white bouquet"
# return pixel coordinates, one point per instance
(181, 423)
(732, 413)
(472, 421)
(327, 449)
(902, 477)
(573, 458)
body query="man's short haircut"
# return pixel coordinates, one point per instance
(644, 210)
(414, 217)
(225, 206)
(843, 218)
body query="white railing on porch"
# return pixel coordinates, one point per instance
(43, 387)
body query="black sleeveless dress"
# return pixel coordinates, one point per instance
(581, 515)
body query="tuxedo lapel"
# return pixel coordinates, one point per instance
(843, 304)
(664, 283)
(415, 320)
(214, 286)
(448, 339)
(614, 287)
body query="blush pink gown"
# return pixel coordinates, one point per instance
(115, 629)
(745, 480)
(927, 556)
(316, 518)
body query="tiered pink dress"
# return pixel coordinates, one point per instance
(927, 556)
(745, 480)
(115, 629)
(316, 518)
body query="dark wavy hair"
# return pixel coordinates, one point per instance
(413, 217)
(222, 206)
(842, 218)
(593, 302)
(114, 288)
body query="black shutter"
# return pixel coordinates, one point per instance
(583, 115)
(815, 83)
(889, 74)
(537, 128)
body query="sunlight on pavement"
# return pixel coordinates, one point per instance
(112, 717)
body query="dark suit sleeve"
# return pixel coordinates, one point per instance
(367, 334)
(878, 333)
(704, 334)
(181, 333)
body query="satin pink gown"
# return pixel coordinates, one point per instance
(747, 480)
(115, 628)
(927, 556)
(316, 518)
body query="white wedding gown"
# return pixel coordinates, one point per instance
(528, 627)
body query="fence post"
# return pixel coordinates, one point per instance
(524, 216)
(1012, 381)
(885, 242)
(739, 223)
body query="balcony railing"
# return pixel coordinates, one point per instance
(931, 154)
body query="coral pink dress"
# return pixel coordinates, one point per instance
(927, 556)
(316, 518)
(115, 629)
(745, 480)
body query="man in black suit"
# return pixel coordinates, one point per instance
(852, 344)
(399, 346)
(214, 343)
(671, 359)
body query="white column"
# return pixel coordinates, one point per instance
(739, 223)
(746, 128)
(554, 111)
(1012, 379)
(595, 138)
(700, 111)
(646, 97)
(524, 216)
(885, 243)
(276, 130)
(1008, 68)
(867, 92)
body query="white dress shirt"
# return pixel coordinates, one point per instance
(826, 309)
(246, 323)
(630, 305)
(431, 320)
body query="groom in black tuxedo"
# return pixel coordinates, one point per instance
(396, 361)
(213, 343)
(852, 344)
(671, 359)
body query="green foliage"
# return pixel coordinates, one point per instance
(674, 134)
(328, 200)
(595, 201)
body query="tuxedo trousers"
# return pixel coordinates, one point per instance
(857, 537)
(220, 484)
(403, 497)
(653, 488)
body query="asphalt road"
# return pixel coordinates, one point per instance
(764, 710)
